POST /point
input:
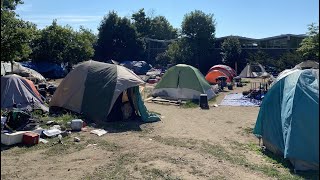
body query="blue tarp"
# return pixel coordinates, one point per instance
(237, 99)
(289, 117)
(47, 69)
(138, 67)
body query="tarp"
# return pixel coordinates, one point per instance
(183, 82)
(18, 90)
(253, 71)
(20, 70)
(238, 99)
(288, 119)
(93, 87)
(47, 69)
(138, 67)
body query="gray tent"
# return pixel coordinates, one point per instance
(307, 65)
(253, 71)
(93, 88)
(18, 90)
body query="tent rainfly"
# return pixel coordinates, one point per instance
(288, 120)
(93, 88)
(182, 82)
(253, 71)
(307, 65)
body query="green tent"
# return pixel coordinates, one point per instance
(93, 88)
(288, 121)
(183, 82)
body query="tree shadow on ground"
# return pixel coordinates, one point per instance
(287, 164)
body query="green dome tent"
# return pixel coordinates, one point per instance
(93, 88)
(183, 82)
(288, 121)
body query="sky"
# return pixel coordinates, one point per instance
(248, 18)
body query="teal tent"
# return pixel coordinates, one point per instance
(288, 121)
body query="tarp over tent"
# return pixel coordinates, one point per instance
(47, 69)
(288, 120)
(183, 82)
(307, 65)
(214, 74)
(253, 71)
(92, 88)
(138, 67)
(20, 70)
(18, 90)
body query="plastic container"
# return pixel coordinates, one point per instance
(30, 138)
(12, 138)
(76, 124)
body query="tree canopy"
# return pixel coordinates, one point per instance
(231, 51)
(309, 46)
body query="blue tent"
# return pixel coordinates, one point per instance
(288, 121)
(47, 69)
(138, 67)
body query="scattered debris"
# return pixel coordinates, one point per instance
(99, 132)
(51, 132)
(76, 139)
(43, 141)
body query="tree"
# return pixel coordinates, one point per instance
(16, 34)
(288, 60)
(142, 23)
(231, 51)
(161, 29)
(309, 46)
(198, 32)
(60, 44)
(117, 39)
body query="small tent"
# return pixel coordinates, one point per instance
(307, 65)
(18, 90)
(182, 82)
(288, 120)
(253, 71)
(97, 89)
(212, 76)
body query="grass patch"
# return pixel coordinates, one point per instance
(61, 120)
(190, 104)
(213, 100)
(105, 145)
(159, 174)
(115, 170)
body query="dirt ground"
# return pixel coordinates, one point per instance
(188, 143)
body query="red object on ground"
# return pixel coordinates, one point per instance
(152, 81)
(30, 138)
(84, 124)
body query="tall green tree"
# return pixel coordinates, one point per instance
(117, 39)
(162, 29)
(309, 46)
(231, 51)
(198, 32)
(60, 44)
(16, 34)
(142, 23)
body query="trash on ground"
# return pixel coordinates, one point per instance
(76, 124)
(99, 132)
(56, 127)
(76, 139)
(43, 141)
(30, 138)
(51, 132)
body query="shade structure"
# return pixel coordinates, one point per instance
(214, 74)
(288, 120)
(183, 82)
(92, 89)
(18, 90)
(231, 71)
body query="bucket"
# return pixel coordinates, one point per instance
(76, 124)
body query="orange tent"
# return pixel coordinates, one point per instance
(214, 74)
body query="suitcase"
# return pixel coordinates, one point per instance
(30, 138)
